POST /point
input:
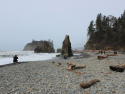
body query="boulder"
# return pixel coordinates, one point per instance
(66, 48)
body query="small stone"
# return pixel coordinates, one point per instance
(86, 93)
(113, 91)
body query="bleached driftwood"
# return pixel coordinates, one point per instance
(79, 66)
(121, 64)
(89, 83)
(69, 63)
(72, 66)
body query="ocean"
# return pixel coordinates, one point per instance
(6, 57)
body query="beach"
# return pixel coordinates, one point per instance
(45, 77)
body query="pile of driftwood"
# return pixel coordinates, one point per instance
(106, 55)
(119, 68)
(72, 66)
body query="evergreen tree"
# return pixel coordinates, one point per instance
(91, 29)
(99, 22)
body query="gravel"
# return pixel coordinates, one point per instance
(45, 77)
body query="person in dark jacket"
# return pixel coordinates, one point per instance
(101, 52)
(104, 52)
(15, 59)
(64, 56)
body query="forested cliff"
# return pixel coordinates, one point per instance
(106, 33)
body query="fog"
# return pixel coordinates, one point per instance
(21, 21)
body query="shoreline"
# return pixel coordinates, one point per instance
(44, 77)
(82, 55)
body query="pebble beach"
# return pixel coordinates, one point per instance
(45, 77)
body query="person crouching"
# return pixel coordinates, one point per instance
(15, 59)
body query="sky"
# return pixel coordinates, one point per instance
(21, 21)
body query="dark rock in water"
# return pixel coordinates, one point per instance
(45, 48)
(66, 48)
(31, 46)
(59, 50)
(58, 55)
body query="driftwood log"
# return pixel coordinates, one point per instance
(72, 66)
(101, 57)
(69, 63)
(59, 63)
(118, 68)
(89, 83)
(53, 62)
(79, 66)
(112, 54)
(121, 64)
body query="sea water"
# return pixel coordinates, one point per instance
(6, 57)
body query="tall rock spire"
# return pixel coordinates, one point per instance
(66, 48)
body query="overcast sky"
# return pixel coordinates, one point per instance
(24, 20)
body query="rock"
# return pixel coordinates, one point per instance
(59, 50)
(113, 91)
(31, 46)
(86, 93)
(66, 48)
(58, 55)
(45, 48)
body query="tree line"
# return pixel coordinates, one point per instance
(106, 32)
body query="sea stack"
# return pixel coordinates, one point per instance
(45, 48)
(66, 48)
